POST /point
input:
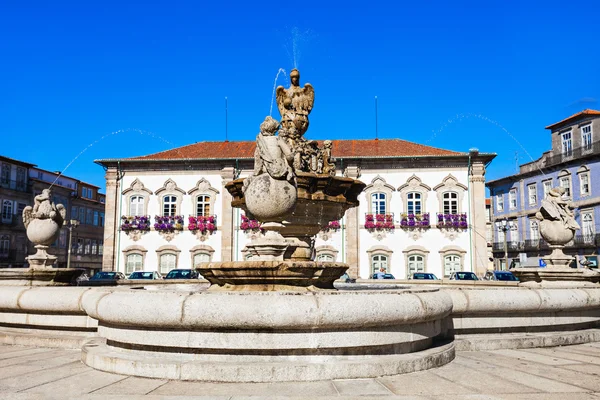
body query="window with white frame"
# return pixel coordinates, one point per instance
(168, 261)
(88, 246)
(4, 246)
(136, 206)
(500, 231)
(514, 232)
(450, 200)
(567, 144)
(587, 226)
(134, 262)
(512, 199)
(325, 258)
(378, 203)
(80, 246)
(203, 206)
(534, 230)
(565, 183)
(201, 258)
(7, 210)
(94, 246)
(416, 263)
(100, 247)
(532, 194)
(500, 202)
(169, 206)
(586, 137)
(584, 183)
(547, 187)
(452, 263)
(379, 261)
(413, 203)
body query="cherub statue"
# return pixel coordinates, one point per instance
(44, 208)
(326, 160)
(294, 104)
(554, 208)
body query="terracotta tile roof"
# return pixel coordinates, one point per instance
(573, 117)
(341, 149)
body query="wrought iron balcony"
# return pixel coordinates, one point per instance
(592, 148)
(19, 186)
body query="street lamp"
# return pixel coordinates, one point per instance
(73, 223)
(504, 227)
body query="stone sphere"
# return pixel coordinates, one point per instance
(555, 232)
(43, 231)
(270, 200)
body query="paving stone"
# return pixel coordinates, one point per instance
(36, 378)
(360, 387)
(307, 389)
(422, 383)
(574, 358)
(132, 386)
(538, 358)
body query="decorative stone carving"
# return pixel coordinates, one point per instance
(43, 222)
(294, 104)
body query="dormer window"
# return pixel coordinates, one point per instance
(567, 144)
(586, 137)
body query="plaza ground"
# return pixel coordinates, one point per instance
(569, 372)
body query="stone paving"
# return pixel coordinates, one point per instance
(571, 372)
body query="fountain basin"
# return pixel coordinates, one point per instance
(268, 336)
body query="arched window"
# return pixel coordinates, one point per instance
(203, 206)
(587, 227)
(452, 264)
(379, 261)
(534, 230)
(136, 206)
(134, 263)
(416, 263)
(378, 203)
(7, 210)
(450, 202)
(413, 203)
(169, 206)
(325, 258)
(201, 258)
(168, 261)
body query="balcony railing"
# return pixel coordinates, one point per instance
(19, 186)
(580, 241)
(592, 148)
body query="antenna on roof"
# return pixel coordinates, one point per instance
(226, 138)
(376, 130)
(517, 162)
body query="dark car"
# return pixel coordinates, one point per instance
(346, 278)
(183, 274)
(463, 276)
(424, 275)
(145, 275)
(500, 276)
(104, 278)
(385, 276)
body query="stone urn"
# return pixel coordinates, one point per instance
(43, 231)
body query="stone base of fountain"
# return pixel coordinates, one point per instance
(552, 276)
(38, 276)
(304, 276)
(268, 336)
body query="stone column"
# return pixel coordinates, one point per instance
(478, 236)
(226, 218)
(111, 220)
(353, 231)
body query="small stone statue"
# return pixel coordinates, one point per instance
(272, 154)
(554, 208)
(44, 208)
(294, 104)
(326, 161)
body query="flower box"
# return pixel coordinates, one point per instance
(332, 226)
(203, 225)
(379, 222)
(452, 221)
(249, 225)
(136, 223)
(414, 221)
(168, 224)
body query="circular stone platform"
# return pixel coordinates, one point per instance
(268, 336)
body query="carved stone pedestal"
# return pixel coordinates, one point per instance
(41, 259)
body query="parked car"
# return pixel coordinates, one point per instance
(145, 275)
(183, 274)
(463, 276)
(424, 275)
(385, 276)
(104, 278)
(500, 276)
(346, 278)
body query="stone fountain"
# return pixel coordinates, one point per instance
(557, 227)
(43, 222)
(277, 317)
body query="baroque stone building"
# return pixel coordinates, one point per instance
(572, 163)
(423, 209)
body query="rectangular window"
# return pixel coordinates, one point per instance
(567, 144)
(96, 216)
(500, 202)
(21, 183)
(378, 203)
(88, 246)
(586, 137)
(512, 199)
(20, 208)
(100, 247)
(79, 246)
(565, 182)
(84, 192)
(532, 192)
(73, 212)
(584, 183)
(5, 176)
(62, 240)
(94, 246)
(82, 215)
(4, 246)
(101, 220)
(547, 188)
(90, 217)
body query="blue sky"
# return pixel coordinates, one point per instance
(446, 74)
